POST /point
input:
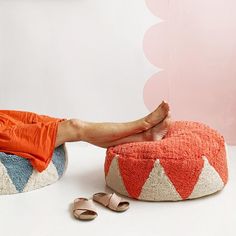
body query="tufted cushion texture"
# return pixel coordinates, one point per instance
(189, 162)
(17, 174)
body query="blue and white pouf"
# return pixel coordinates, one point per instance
(17, 174)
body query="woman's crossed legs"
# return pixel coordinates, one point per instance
(151, 127)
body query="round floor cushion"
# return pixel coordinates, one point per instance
(189, 162)
(17, 174)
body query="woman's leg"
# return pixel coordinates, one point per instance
(101, 134)
(155, 133)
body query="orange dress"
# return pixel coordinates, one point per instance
(29, 135)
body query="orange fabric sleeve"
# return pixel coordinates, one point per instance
(29, 135)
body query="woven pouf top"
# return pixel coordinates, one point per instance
(189, 162)
(17, 174)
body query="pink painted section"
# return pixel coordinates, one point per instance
(196, 48)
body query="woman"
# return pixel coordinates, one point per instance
(34, 136)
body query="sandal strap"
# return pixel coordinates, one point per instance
(114, 201)
(84, 205)
(110, 200)
(104, 199)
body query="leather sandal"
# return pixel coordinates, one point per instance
(111, 201)
(84, 209)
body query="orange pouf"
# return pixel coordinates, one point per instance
(189, 162)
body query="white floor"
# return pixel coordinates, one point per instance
(47, 211)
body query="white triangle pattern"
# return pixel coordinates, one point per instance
(158, 186)
(6, 185)
(114, 179)
(209, 181)
(39, 180)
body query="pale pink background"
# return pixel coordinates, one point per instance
(195, 46)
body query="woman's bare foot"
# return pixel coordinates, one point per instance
(158, 131)
(158, 115)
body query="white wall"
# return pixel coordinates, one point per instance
(74, 58)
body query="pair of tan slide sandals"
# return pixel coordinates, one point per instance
(84, 209)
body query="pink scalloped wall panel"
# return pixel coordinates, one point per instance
(195, 46)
